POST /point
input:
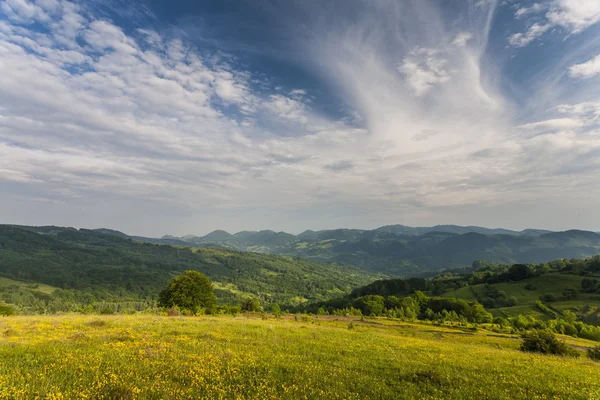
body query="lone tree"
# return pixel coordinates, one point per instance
(189, 291)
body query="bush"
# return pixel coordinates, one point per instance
(548, 298)
(6, 310)
(594, 353)
(276, 310)
(545, 342)
(252, 305)
(570, 293)
(173, 312)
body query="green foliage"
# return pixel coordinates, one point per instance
(405, 251)
(276, 310)
(594, 353)
(530, 286)
(252, 305)
(190, 291)
(548, 297)
(90, 267)
(545, 342)
(570, 293)
(411, 307)
(494, 298)
(6, 310)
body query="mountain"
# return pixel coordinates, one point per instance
(400, 250)
(407, 230)
(397, 250)
(216, 236)
(104, 265)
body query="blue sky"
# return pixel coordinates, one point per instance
(182, 117)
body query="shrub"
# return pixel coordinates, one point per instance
(173, 312)
(594, 353)
(570, 293)
(545, 342)
(276, 310)
(530, 286)
(252, 305)
(548, 298)
(6, 310)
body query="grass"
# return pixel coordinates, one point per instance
(40, 287)
(550, 283)
(151, 357)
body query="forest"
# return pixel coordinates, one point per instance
(85, 267)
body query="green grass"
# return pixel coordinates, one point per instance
(151, 357)
(526, 299)
(40, 287)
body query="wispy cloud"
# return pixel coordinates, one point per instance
(408, 116)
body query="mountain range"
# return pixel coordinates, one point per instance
(106, 265)
(399, 250)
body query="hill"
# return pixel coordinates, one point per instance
(568, 289)
(153, 357)
(399, 250)
(101, 266)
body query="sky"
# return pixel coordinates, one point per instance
(182, 117)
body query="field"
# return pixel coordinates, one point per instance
(40, 287)
(526, 299)
(245, 357)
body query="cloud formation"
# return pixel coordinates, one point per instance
(587, 69)
(141, 128)
(573, 16)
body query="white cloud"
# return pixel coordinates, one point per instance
(287, 108)
(536, 30)
(554, 124)
(588, 69)
(122, 125)
(533, 9)
(298, 92)
(574, 16)
(23, 11)
(591, 109)
(424, 69)
(462, 38)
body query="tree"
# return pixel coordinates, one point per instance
(276, 310)
(252, 305)
(189, 291)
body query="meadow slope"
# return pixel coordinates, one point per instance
(155, 357)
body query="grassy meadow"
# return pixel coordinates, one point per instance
(246, 357)
(526, 298)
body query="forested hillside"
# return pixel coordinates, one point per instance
(99, 266)
(403, 251)
(560, 289)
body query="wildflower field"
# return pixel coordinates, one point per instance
(245, 357)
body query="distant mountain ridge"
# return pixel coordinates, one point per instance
(348, 234)
(400, 250)
(387, 250)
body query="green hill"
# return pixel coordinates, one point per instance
(529, 291)
(101, 266)
(399, 250)
(563, 295)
